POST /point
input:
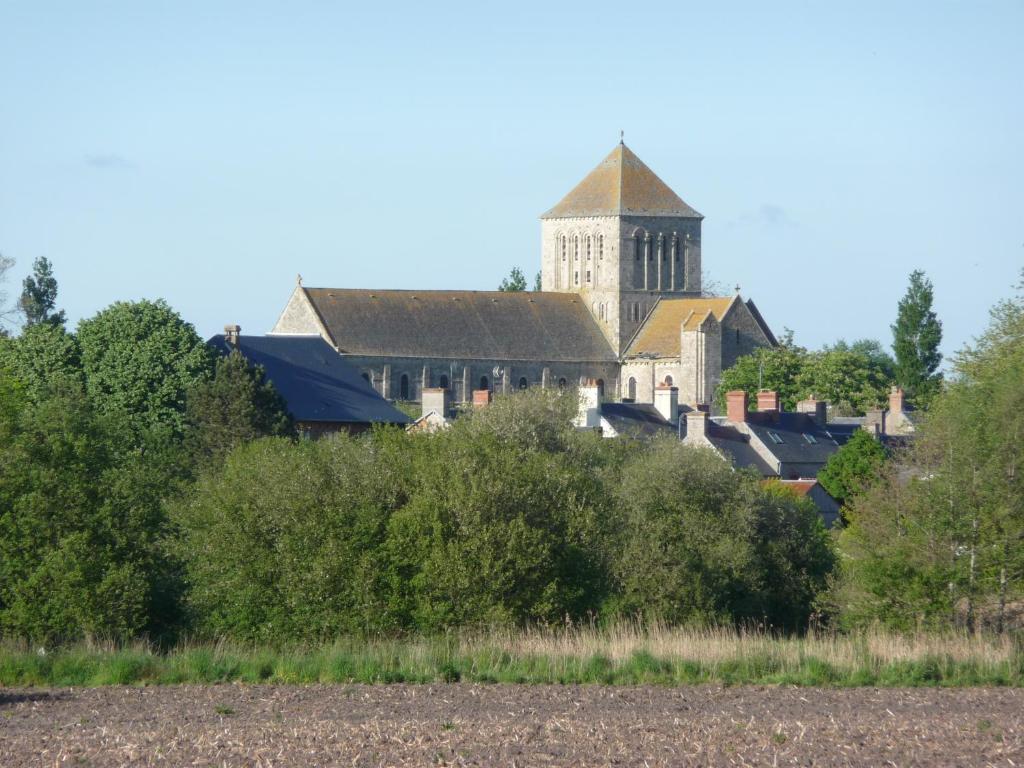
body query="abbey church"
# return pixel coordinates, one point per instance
(621, 302)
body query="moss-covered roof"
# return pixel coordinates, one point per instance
(659, 336)
(621, 186)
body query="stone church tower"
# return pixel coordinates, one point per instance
(621, 240)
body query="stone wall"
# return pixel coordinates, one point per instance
(461, 377)
(741, 334)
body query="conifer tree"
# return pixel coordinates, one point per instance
(917, 334)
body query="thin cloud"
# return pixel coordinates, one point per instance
(768, 215)
(107, 160)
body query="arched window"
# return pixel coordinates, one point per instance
(562, 383)
(576, 247)
(638, 240)
(484, 384)
(631, 389)
(403, 387)
(600, 388)
(668, 381)
(563, 247)
(661, 247)
(576, 277)
(588, 277)
(523, 383)
(600, 247)
(588, 247)
(443, 382)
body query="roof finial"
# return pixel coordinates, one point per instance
(737, 289)
(298, 280)
(622, 136)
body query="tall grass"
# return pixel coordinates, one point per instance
(623, 654)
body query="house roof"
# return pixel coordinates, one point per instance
(621, 185)
(488, 325)
(793, 431)
(639, 419)
(315, 381)
(800, 487)
(659, 335)
(735, 446)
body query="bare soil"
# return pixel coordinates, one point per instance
(461, 724)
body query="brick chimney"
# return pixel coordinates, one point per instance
(666, 402)
(736, 405)
(768, 401)
(231, 334)
(435, 399)
(481, 397)
(817, 409)
(896, 400)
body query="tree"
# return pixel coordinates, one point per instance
(6, 265)
(854, 466)
(776, 368)
(140, 359)
(45, 358)
(515, 281)
(537, 282)
(237, 405)
(917, 334)
(847, 380)
(80, 527)
(39, 295)
(937, 538)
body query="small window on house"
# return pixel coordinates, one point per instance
(484, 383)
(523, 383)
(831, 437)
(775, 438)
(810, 439)
(562, 383)
(631, 389)
(443, 382)
(403, 387)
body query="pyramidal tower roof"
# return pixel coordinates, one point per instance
(621, 186)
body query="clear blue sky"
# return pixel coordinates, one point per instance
(206, 152)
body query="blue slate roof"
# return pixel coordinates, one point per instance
(314, 380)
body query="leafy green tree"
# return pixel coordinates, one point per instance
(516, 281)
(937, 538)
(79, 529)
(140, 359)
(45, 358)
(237, 405)
(872, 349)
(851, 468)
(703, 543)
(776, 368)
(847, 380)
(917, 334)
(537, 282)
(39, 295)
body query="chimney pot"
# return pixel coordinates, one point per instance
(666, 402)
(896, 400)
(481, 397)
(696, 424)
(231, 334)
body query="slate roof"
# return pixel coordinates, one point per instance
(735, 446)
(791, 428)
(488, 325)
(621, 186)
(639, 419)
(314, 380)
